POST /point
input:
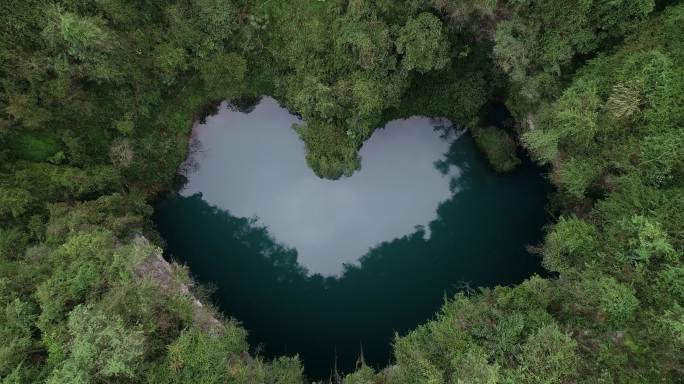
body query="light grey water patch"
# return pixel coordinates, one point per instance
(253, 165)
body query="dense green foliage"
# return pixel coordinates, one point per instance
(498, 146)
(97, 99)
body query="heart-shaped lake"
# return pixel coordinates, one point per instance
(321, 268)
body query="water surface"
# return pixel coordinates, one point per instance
(253, 165)
(326, 269)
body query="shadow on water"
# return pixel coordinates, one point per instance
(477, 239)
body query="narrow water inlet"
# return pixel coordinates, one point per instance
(324, 268)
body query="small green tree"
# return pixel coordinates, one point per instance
(223, 75)
(101, 348)
(17, 319)
(13, 202)
(423, 44)
(570, 243)
(200, 357)
(548, 357)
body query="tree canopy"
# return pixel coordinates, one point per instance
(97, 99)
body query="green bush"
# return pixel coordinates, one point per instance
(498, 146)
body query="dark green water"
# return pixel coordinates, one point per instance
(324, 268)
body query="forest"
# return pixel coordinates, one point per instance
(98, 97)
